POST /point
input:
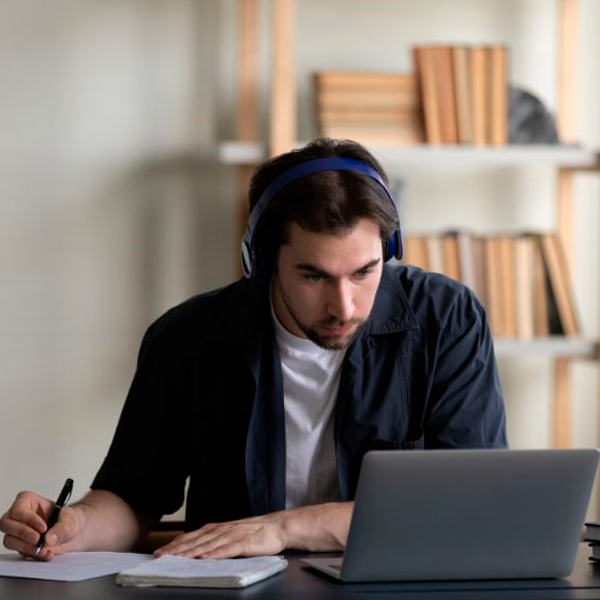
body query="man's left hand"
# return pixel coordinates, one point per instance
(317, 528)
(254, 536)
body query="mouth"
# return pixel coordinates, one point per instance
(339, 330)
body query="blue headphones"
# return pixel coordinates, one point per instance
(250, 262)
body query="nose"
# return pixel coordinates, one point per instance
(341, 302)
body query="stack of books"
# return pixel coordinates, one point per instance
(370, 107)
(592, 535)
(464, 93)
(522, 280)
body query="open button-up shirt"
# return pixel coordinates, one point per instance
(206, 402)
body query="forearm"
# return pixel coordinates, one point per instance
(107, 522)
(317, 528)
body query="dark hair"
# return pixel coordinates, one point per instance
(324, 202)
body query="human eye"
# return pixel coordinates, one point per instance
(363, 273)
(313, 277)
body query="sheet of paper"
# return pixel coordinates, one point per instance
(73, 566)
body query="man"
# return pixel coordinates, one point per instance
(267, 393)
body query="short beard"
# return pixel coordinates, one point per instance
(311, 334)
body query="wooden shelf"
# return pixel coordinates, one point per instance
(249, 153)
(552, 347)
(509, 156)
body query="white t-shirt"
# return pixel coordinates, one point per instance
(311, 378)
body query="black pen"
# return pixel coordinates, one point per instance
(63, 498)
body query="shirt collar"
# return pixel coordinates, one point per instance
(391, 311)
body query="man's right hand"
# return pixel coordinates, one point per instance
(24, 522)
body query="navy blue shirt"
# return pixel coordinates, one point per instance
(206, 401)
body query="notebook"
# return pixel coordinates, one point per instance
(179, 571)
(466, 514)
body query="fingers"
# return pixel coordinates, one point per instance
(28, 509)
(225, 540)
(19, 518)
(14, 526)
(184, 544)
(24, 522)
(232, 549)
(25, 549)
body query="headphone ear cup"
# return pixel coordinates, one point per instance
(392, 247)
(398, 250)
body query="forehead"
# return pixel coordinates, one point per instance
(332, 252)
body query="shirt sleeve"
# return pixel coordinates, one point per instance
(146, 464)
(466, 407)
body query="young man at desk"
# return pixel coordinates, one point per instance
(267, 393)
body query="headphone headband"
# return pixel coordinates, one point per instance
(393, 246)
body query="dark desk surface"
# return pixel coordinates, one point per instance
(299, 581)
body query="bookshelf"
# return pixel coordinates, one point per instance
(567, 159)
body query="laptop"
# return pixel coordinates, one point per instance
(466, 514)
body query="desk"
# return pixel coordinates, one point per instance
(300, 582)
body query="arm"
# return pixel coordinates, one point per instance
(99, 521)
(318, 528)
(466, 408)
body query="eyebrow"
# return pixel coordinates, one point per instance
(307, 267)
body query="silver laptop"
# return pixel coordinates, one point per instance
(466, 514)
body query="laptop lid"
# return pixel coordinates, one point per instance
(468, 514)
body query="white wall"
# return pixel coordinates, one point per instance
(106, 219)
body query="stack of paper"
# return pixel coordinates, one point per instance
(192, 572)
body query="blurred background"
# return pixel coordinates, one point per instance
(109, 215)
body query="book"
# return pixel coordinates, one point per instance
(493, 285)
(592, 531)
(498, 95)
(540, 295)
(479, 95)
(462, 79)
(507, 287)
(180, 571)
(375, 134)
(374, 107)
(425, 67)
(560, 284)
(444, 70)
(523, 257)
